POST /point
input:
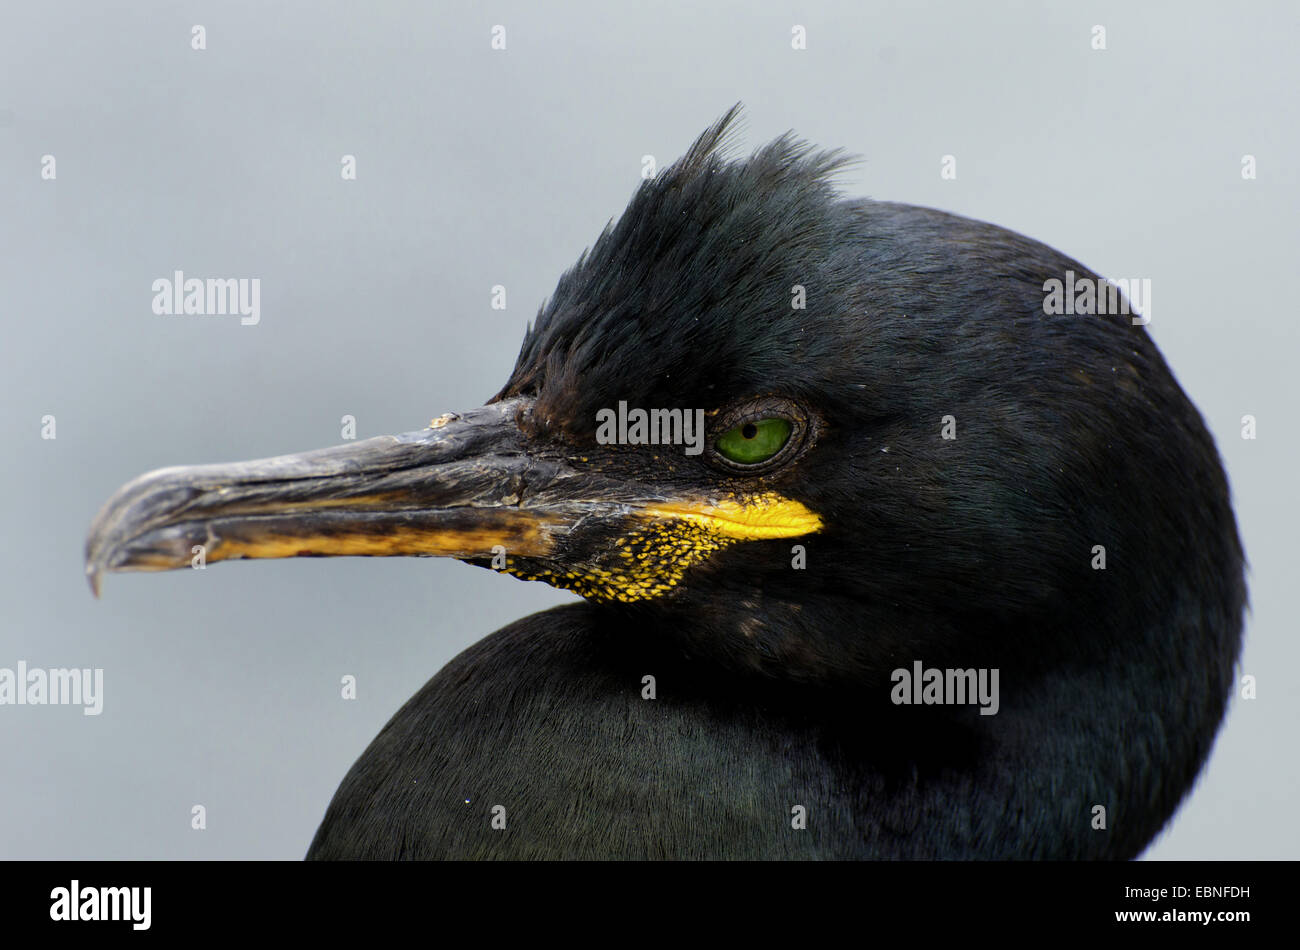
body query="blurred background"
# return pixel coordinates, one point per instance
(478, 167)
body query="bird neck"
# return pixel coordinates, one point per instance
(1084, 752)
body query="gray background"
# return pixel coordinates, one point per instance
(479, 168)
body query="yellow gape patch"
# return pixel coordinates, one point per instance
(756, 518)
(649, 561)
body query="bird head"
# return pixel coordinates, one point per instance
(808, 435)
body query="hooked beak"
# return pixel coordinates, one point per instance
(468, 487)
(456, 489)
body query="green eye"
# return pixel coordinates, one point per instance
(752, 442)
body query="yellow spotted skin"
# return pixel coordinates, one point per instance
(646, 564)
(666, 541)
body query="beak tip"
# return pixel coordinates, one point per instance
(92, 578)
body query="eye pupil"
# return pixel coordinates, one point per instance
(749, 431)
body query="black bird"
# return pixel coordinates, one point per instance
(906, 460)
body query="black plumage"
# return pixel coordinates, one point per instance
(773, 684)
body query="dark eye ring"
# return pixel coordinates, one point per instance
(759, 435)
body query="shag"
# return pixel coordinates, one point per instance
(911, 467)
